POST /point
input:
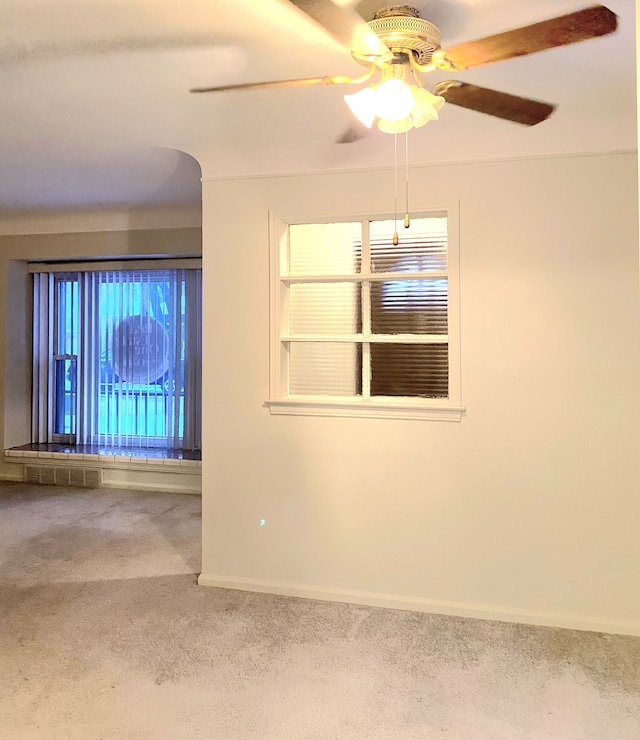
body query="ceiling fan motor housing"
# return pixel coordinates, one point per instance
(401, 29)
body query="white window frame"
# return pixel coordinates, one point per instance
(380, 407)
(43, 393)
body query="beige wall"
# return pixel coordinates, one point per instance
(71, 236)
(525, 510)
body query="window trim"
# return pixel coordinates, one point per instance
(280, 403)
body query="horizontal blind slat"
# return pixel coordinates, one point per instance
(325, 249)
(409, 307)
(408, 289)
(410, 370)
(324, 308)
(325, 369)
(421, 247)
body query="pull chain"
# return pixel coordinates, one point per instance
(407, 220)
(395, 190)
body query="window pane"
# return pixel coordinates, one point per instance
(64, 407)
(409, 307)
(65, 350)
(325, 369)
(67, 314)
(325, 249)
(324, 308)
(409, 370)
(141, 355)
(422, 247)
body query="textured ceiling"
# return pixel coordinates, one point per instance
(96, 108)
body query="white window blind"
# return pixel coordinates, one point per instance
(357, 318)
(117, 357)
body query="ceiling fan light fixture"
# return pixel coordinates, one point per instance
(426, 106)
(394, 99)
(363, 105)
(399, 126)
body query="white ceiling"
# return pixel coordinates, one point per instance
(96, 108)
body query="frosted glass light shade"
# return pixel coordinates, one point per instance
(398, 106)
(395, 127)
(426, 106)
(363, 105)
(394, 100)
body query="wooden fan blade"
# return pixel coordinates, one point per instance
(275, 83)
(494, 103)
(567, 29)
(352, 134)
(346, 27)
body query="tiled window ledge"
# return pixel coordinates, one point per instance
(123, 459)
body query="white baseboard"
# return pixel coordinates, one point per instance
(431, 606)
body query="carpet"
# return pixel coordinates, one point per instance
(105, 634)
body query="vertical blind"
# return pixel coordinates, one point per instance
(117, 357)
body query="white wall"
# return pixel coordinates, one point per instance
(66, 235)
(13, 223)
(525, 510)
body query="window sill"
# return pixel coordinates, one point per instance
(371, 409)
(29, 457)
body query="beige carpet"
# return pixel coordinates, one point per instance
(104, 634)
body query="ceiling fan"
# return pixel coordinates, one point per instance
(400, 46)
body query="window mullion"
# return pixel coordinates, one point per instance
(366, 311)
(282, 314)
(52, 350)
(366, 335)
(75, 329)
(55, 352)
(366, 370)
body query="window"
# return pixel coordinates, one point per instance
(362, 327)
(117, 355)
